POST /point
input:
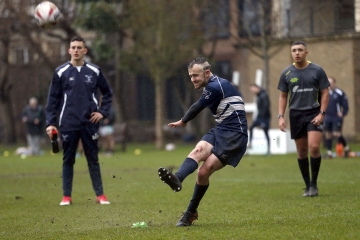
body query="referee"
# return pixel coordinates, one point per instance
(305, 84)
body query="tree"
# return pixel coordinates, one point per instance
(17, 22)
(166, 34)
(106, 17)
(6, 31)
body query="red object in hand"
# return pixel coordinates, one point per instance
(54, 141)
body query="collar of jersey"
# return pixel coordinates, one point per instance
(307, 61)
(77, 66)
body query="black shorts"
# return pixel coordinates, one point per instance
(300, 122)
(333, 125)
(229, 146)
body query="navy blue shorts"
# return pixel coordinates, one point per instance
(300, 122)
(333, 125)
(229, 146)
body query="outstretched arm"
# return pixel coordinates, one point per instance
(193, 111)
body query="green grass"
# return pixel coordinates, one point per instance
(260, 199)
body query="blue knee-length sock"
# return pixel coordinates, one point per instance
(199, 192)
(187, 167)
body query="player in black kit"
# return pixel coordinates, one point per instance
(305, 84)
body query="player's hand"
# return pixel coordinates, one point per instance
(317, 121)
(340, 114)
(96, 117)
(49, 130)
(282, 124)
(179, 123)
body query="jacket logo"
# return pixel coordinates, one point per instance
(64, 137)
(206, 94)
(88, 78)
(71, 79)
(293, 80)
(95, 136)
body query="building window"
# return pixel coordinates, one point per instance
(216, 19)
(254, 15)
(345, 16)
(223, 70)
(325, 17)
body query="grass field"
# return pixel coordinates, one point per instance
(260, 199)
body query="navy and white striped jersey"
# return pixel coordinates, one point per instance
(338, 102)
(73, 95)
(226, 105)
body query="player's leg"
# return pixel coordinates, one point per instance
(265, 126)
(253, 125)
(341, 139)
(314, 140)
(30, 141)
(210, 165)
(200, 153)
(111, 144)
(36, 141)
(328, 132)
(346, 147)
(303, 161)
(298, 122)
(89, 138)
(228, 149)
(70, 142)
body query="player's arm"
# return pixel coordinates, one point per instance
(191, 113)
(106, 100)
(53, 101)
(53, 104)
(323, 104)
(282, 107)
(345, 105)
(107, 95)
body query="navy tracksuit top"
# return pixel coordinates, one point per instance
(73, 95)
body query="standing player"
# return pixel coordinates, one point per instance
(306, 85)
(223, 145)
(337, 109)
(263, 114)
(72, 93)
(34, 117)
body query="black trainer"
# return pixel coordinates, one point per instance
(187, 219)
(170, 179)
(313, 191)
(306, 192)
